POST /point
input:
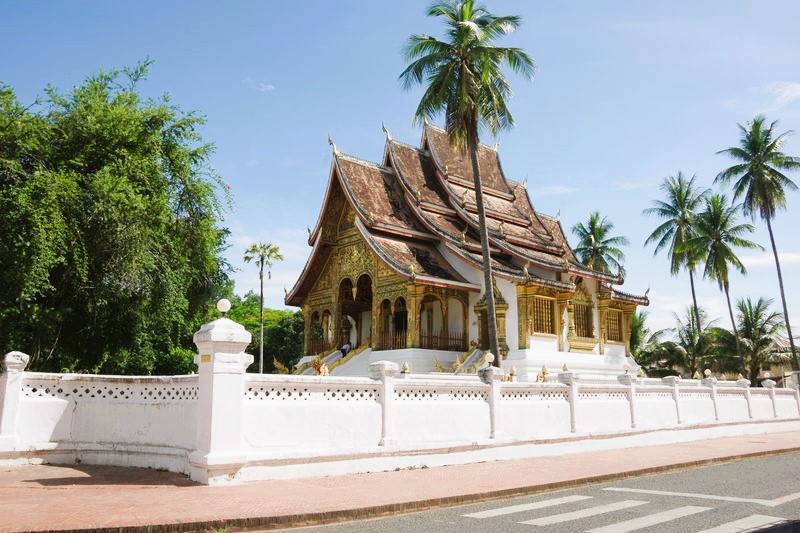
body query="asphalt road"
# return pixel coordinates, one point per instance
(761, 494)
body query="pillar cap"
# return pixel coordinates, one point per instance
(14, 362)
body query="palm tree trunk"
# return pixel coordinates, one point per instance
(733, 322)
(694, 302)
(795, 364)
(261, 323)
(491, 319)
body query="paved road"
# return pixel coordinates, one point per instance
(749, 495)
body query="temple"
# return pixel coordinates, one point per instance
(396, 269)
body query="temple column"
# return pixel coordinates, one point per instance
(627, 316)
(602, 313)
(377, 322)
(307, 325)
(414, 300)
(562, 302)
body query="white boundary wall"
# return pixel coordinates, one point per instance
(223, 426)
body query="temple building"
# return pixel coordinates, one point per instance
(396, 268)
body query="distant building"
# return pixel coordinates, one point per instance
(396, 264)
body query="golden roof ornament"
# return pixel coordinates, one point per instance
(464, 236)
(530, 218)
(371, 217)
(525, 269)
(386, 131)
(464, 197)
(446, 169)
(564, 368)
(418, 196)
(333, 145)
(502, 228)
(411, 270)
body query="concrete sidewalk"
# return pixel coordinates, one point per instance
(75, 497)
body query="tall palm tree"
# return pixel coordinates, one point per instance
(760, 329)
(759, 179)
(597, 249)
(264, 254)
(716, 235)
(463, 79)
(683, 199)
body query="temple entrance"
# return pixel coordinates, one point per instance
(441, 324)
(393, 325)
(355, 310)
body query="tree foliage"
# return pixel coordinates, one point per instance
(110, 242)
(597, 248)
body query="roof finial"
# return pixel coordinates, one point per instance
(496, 145)
(425, 119)
(558, 216)
(647, 291)
(285, 292)
(386, 131)
(464, 235)
(309, 231)
(333, 145)
(524, 182)
(525, 270)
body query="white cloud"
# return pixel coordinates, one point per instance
(767, 259)
(259, 86)
(782, 93)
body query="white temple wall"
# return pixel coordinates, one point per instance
(509, 292)
(224, 426)
(455, 316)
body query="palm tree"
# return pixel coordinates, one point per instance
(683, 200)
(716, 234)
(596, 248)
(760, 329)
(264, 253)
(464, 80)
(760, 180)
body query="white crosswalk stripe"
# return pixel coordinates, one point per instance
(527, 507)
(585, 513)
(746, 524)
(650, 520)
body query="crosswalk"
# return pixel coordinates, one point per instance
(592, 508)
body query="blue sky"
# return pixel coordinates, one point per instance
(625, 94)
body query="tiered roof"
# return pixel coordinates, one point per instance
(422, 200)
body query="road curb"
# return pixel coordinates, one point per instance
(377, 511)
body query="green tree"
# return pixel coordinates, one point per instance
(759, 179)
(716, 235)
(683, 199)
(264, 254)
(760, 329)
(110, 237)
(597, 249)
(464, 79)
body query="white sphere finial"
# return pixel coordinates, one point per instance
(223, 305)
(489, 357)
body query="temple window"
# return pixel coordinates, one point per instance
(543, 315)
(583, 319)
(614, 325)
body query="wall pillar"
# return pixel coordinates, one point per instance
(492, 376)
(413, 313)
(672, 381)
(712, 384)
(770, 386)
(307, 326)
(221, 363)
(631, 381)
(571, 379)
(385, 372)
(745, 384)
(12, 365)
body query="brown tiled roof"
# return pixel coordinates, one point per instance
(458, 164)
(626, 297)
(424, 197)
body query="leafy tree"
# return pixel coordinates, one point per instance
(760, 329)
(716, 234)
(759, 179)
(683, 199)
(110, 237)
(463, 79)
(596, 248)
(264, 254)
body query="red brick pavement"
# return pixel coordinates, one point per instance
(77, 497)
